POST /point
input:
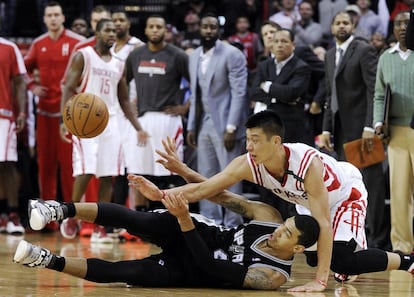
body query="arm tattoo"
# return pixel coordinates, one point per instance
(257, 279)
(237, 207)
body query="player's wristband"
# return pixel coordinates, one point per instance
(321, 282)
(163, 194)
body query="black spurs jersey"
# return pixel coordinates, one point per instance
(240, 245)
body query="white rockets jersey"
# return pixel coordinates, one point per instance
(127, 48)
(338, 176)
(101, 78)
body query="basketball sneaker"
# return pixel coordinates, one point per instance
(32, 255)
(344, 278)
(99, 235)
(43, 212)
(14, 227)
(69, 228)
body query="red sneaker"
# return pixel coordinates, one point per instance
(69, 228)
(51, 227)
(125, 236)
(14, 227)
(86, 229)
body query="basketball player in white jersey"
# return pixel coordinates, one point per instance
(94, 70)
(332, 191)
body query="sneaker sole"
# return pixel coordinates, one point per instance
(36, 219)
(21, 251)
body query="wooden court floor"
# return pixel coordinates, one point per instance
(17, 280)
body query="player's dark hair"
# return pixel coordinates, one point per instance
(309, 229)
(271, 23)
(52, 4)
(119, 10)
(101, 23)
(343, 12)
(290, 32)
(99, 9)
(267, 120)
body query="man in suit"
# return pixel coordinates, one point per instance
(281, 83)
(350, 76)
(218, 110)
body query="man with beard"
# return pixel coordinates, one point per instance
(157, 69)
(350, 71)
(218, 109)
(94, 70)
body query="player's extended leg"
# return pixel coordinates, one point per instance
(144, 272)
(160, 228)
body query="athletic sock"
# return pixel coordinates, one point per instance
(69, 209)
(407, 262)
(56, 263)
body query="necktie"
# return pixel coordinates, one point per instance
(334, 95)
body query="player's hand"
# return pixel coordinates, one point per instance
(20, 123)
(146, 188)
(367, 141)
(170, 159)
(64, 134)
(40, 91)
(176, 205)
(326, 142)
(191, 139)
(313, 286)
(142, 137)
(229, 141)
(315, 108)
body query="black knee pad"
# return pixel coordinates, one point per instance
(343, 257)
(311, 258)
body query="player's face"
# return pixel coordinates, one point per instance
(342, 27)
(268, 34)
(53, 18)
(259, 146)
(107, 34)
(242, 25)
(97, 16)
(122, 24)
(282, 46)
(80, 26)
(155, 30)
(285, 237)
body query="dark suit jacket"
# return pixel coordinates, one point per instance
(287, 87)
(285, 94)
(355, 82)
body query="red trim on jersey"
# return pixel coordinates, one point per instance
(335, 184)
(257, 174)
(302, 166)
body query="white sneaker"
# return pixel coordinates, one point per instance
(32, 255)
(14, 227)
(99, 235)
(43, 212)
(69, 228)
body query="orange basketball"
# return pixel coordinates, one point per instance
(85, 115)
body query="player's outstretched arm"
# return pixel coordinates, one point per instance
(237, 203)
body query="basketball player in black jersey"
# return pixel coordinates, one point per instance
(257, 255)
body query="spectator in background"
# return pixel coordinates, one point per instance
(12, 95)
(350, 77)
(409, 36)
(50, 53)
(80, 26)
(288, 16)
(191, 35)
(396, 68)
(252, 46)
(171, 35)
(378, 41)
(157, 69)
(218, 109)
(281, 83)
(232, 9)
(327, 10)
(307, 32)
(369, 22)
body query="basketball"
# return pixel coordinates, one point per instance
(85, 115)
